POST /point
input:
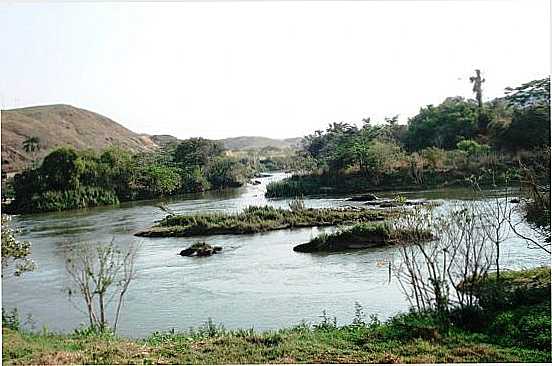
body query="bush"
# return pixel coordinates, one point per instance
(62, 200)
(10, 319)
(524, 326)
(412, 325)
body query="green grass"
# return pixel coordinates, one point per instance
(256, 219)
(363, 235)
(408, 338)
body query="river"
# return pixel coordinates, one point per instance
(256, 281)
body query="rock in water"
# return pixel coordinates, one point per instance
(200, 249)
(187, 252)
(364, 197)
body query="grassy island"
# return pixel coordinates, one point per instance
(361, 236)
(256, 219)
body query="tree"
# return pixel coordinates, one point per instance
(532, 93)
(101, 275)
(329, 147)
(15, 251)
(31, 144)
(156, 180)
(523, 117)
(61, 169)
(472, 147)
(477, 82)
(534, 207)
(226, 172)
(196, 152)
(528, 128)
(441, 274)
(443, 126)
(375, 158)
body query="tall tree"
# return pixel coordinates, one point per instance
(482, 118)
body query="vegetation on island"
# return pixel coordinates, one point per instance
(256, 219)
(364, 235)
(441, 145)
(518, 332)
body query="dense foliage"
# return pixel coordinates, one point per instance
(441, 145)
(75, 179)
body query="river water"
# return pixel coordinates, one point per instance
(256, 281)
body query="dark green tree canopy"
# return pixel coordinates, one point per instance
(443, 126)
(61, 169)
(531, 94)
(195, 152)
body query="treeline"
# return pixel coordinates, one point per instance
(68, 178)
(440, 145)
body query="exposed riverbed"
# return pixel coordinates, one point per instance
(256, 281)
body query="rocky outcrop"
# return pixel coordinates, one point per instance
(364, 197)
(200, 250)
(386, 203)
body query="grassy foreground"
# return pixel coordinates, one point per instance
(405, 339)
(514, 331)
(256, 219)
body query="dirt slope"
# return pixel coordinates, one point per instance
(57, 125)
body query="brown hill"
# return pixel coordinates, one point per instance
(57, 125)
(258, 142)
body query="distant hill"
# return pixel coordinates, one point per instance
(61, 124)
(258, 142)
(163, 140)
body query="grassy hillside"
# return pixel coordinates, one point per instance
(61, 124)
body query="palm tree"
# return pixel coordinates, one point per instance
(31, 144)
(477, 82)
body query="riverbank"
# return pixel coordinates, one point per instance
(256, 219)
(519, 332)
(354, 183)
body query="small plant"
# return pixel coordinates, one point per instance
(297, 204)
(10, 319)
(99, 276)
(327, 322)
(358, 320)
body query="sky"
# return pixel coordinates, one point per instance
(275, 69)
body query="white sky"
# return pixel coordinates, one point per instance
(276, 69)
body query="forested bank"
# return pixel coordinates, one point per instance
(442, 145)
(68, 178)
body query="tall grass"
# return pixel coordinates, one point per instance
(256, 219)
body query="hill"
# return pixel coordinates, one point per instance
(258, 142)
(61, 124)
